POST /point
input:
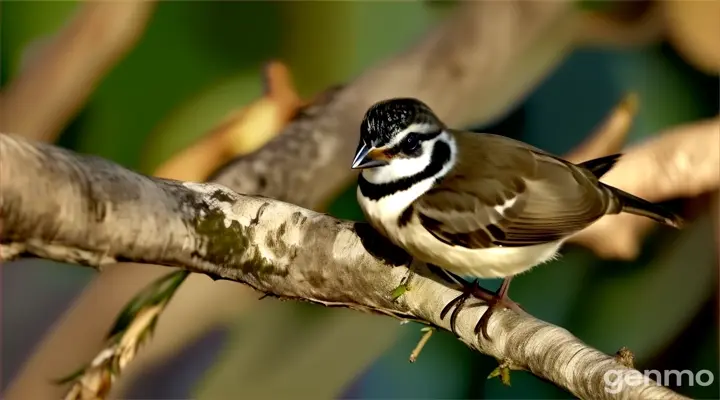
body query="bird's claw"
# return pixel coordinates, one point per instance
(495, 304)
(494, 300)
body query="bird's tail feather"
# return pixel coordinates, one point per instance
(635, 205)
(600, 166)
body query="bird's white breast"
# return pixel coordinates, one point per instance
(496, 262)
(389, 208)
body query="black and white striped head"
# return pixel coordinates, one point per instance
(396, 129)
(402, 138)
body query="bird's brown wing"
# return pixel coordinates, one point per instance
(505, 193)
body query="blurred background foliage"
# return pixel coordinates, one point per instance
(197, 61)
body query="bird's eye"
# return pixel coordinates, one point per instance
(411, 143)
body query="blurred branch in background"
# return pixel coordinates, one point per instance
(624, 24)
(242, 132)
(659, 170)
(683, 162)
(693, 29)
(277, 248)
(60, 73)
(690, 26)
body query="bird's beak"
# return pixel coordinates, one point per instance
(367, 157)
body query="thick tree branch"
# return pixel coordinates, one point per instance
(59, 205)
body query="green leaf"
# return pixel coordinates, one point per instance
(399, 291)
(160, 291)
(71, 377)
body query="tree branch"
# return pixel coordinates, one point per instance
(82, 209)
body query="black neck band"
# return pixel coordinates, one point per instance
(376, 191)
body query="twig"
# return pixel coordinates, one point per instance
(423, 340)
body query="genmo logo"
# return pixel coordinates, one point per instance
(616, 380)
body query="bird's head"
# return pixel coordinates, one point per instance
(398, 133)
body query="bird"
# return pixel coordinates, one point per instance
(477, 205)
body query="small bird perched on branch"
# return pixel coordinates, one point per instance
(477, 205)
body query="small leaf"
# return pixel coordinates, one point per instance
(399, 291)
(505, 376)
(71, 377)
(502, 371)
(157, 292)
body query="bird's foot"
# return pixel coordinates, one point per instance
(494, 300)
(459, 302)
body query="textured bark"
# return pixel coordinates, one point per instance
(82, 209)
